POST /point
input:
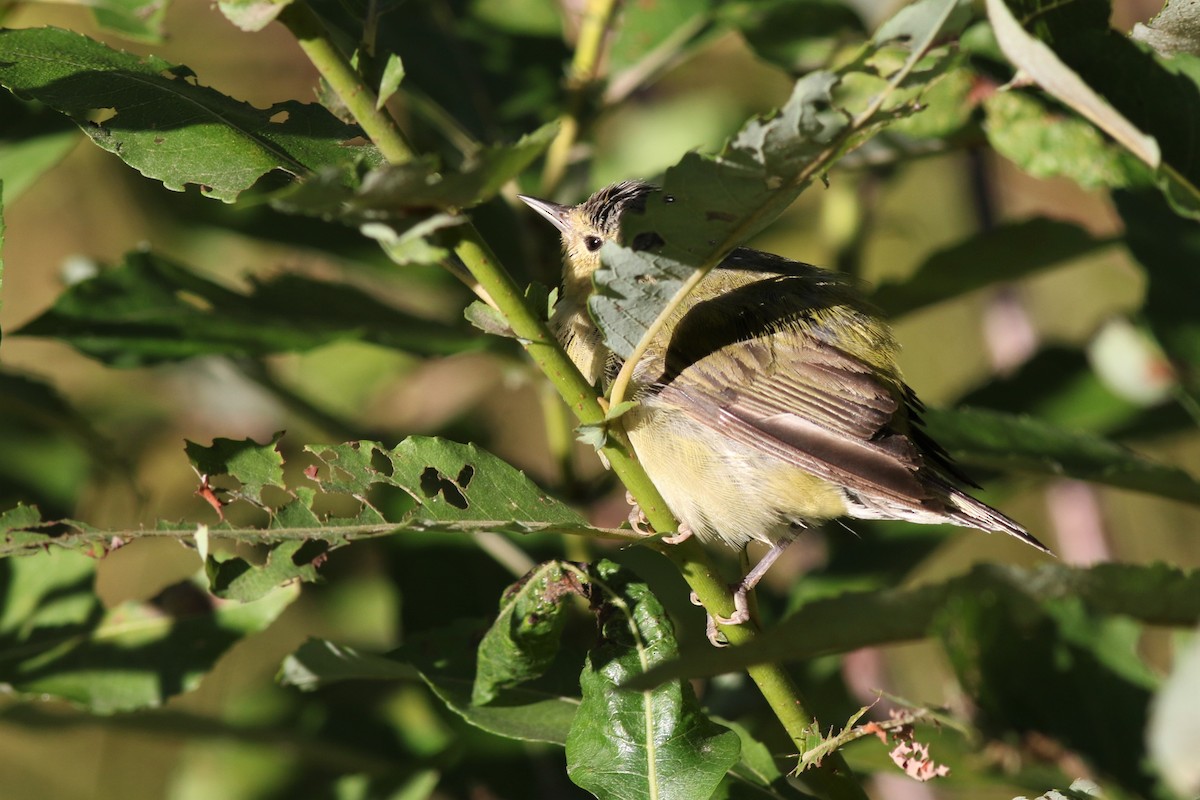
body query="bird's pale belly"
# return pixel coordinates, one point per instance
(721, 489)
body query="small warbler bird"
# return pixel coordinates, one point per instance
(770, 402)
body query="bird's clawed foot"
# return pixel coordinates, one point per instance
(637, 519)
(741, 613)
(682, 535)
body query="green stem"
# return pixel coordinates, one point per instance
(833, 777)
(335, 68)
(585, 66)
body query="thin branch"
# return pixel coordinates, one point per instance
(335, 68)
(585, 67)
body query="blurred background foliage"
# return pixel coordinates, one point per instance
(102, 442)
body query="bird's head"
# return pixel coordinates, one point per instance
(586, 227)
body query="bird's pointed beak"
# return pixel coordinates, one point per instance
(555, 212)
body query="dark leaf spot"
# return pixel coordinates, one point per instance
(647, 240)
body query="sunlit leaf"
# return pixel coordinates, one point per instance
(524, 639)
(160, 120)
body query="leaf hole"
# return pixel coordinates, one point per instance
(433, 483)
(311, 551)
(647, 240)
(465, 475)
(99, 116)
(381, 463)
(280, 117)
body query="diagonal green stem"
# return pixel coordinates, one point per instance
(585, 66)
(345, 81)
(833, 778)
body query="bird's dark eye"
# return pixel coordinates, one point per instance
(592, 243)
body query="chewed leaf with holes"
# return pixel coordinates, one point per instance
(711, 204)
(253, 465)
(456, 486)
(160, 120)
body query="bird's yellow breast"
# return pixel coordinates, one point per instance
(720, 489)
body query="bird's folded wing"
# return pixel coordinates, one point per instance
(813, 406)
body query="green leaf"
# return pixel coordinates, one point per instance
(1151, 108)
(252, 465)
(139, 20)
(422, 183)
(797, 36)
(711, 204)
(320, 662)
(415, 243)
(523, 641)
(1031, 666)
(1020, 444)
(57, 639)
(234, 578)
(252, 15)
(632, 744)
(393, 74)
(1005, 253)
(149, 310)
(414, 188)
(1047, 143)
(1155, 595)
(644, 27)
(35, 139)
(455, 486)
(162, 122)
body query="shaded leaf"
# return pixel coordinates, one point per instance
(1156, 595)
(1004, 253)
(56, 638)
(1021, 444)
(1167, 248)
(320, 662)
(633, 744)
(414, 188)
(149, 310)
(162, 122)
(798, 37)
(1033, 666)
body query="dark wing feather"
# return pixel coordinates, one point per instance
(814, 407)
